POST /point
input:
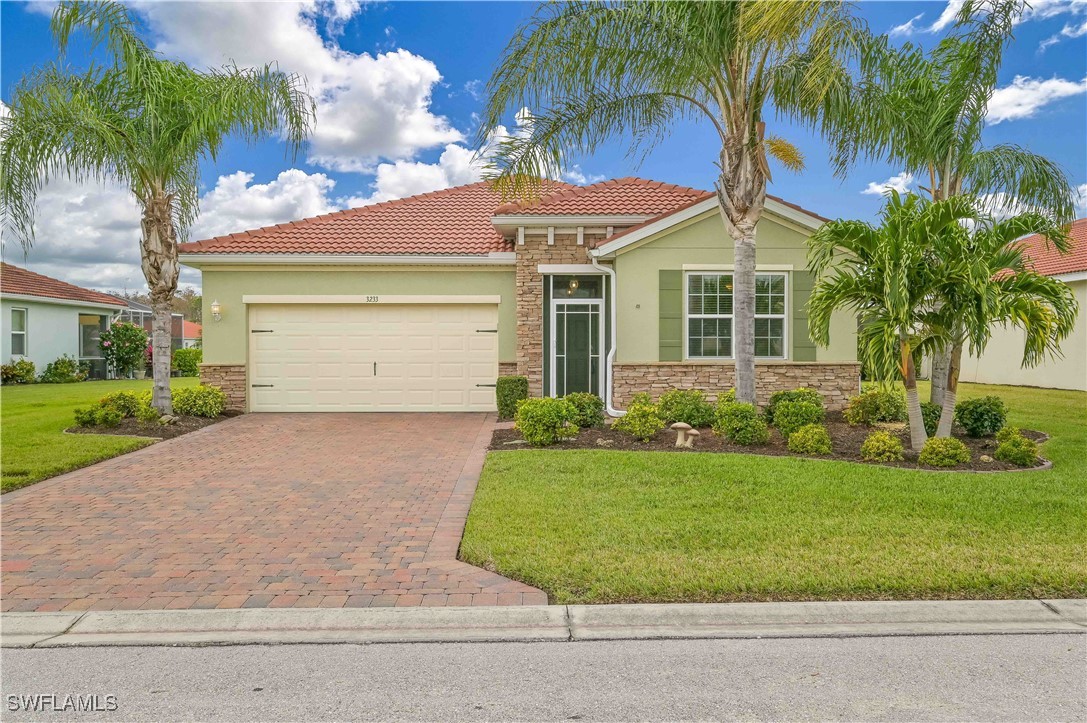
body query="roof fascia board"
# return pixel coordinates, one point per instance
(61, 302)
(500, 258)
(651, 229)
(1070, 276)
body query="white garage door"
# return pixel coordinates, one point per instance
(372, 357)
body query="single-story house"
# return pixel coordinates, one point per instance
(421, 303)
(140, 314)
(1000, 363)
(191, 333)
(45, 319)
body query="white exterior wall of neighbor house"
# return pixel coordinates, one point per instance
(1000, 363)
(52, 329)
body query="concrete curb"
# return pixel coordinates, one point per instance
(542, 623)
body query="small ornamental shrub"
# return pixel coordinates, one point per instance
(201, 401)
(686, 405)
(810, 439)
(944, 452)
(741, 423)
(509, 391)
(588, 409)
(930, 414)
(802, 394)
(63, 371)
(107, 417)
(876, 405)
(146, 413)
(127, 403)
(727, 398)
(642, 419)
(187, 362)
(85, 417)
(124, 347)
(790, 416)
(19, 371)
(545, 420)
(881, 446)
(981, 417)
(1015, 448)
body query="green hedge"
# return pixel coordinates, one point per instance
(509, 391)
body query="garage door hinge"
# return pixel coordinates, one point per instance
(262, 385)
(260, 331)
(486, 385)
(486, 331)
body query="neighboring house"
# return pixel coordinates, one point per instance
(191, 333)
(140, 315)
(1001, 362)
(421, 303)
(44, 319)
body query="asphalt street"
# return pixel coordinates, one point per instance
(968, 677)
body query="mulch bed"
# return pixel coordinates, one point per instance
(132, 427)
(845, 438)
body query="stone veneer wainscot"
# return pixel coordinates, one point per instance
(228, 377)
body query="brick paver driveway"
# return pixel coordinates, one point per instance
(265, 510)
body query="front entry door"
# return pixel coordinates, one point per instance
(576, 346)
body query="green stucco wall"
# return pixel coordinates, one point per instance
(225, 341)
(703, 240)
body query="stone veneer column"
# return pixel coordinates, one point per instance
(228, 377)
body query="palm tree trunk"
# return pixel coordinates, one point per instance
(918, 437)
(947, 413)
(941, 359)
(158, 252)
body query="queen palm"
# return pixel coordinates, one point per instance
(984, 280)
(591, 72)
(885, 275)
(142, 121)
(925, 113)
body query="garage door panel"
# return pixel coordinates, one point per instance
(321, 357)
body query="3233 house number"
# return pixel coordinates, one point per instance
(373, 299)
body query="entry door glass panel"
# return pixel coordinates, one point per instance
(577, 348)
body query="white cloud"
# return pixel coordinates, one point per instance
(1068, 31)
(1034, 10)
(900, 183)
(575, 175)
(1025, 96)
(907, 28)
(475, 88)
(945, 20)
(369, 107)
(1081, 198)
(237, 204)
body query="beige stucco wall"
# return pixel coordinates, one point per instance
(1000, 363)
(703, 240)
(225, 341)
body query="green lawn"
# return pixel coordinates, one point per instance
(32, 423)
(604, 526)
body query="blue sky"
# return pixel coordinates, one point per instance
(400, 86)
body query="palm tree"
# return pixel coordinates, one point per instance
(984, 280)
(886, 276)
(926, 112)
(594, 71)
(142, 121)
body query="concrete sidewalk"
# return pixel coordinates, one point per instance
(542, 623)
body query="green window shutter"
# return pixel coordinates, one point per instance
(671, 315)
(803, 346)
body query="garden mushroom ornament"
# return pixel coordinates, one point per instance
(685, 434)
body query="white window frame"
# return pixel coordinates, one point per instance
(732, 317)
(26, 328)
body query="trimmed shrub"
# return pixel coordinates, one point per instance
(1016, 449)
(801, 394)
(84, 417)
(642, 419)
(127, 403)
(981, 417)
(930, 414)
(19, 371)
(686, 405)
(790, 416)
(876, 405)
(509, 391)
(944, 452)
(201, 401)
(810, 439)
(63, 371)
(98, 416)
(147, 413)
(741, 423)
(588, 409)
(124, 347)
(727, 398)
(544, 420)
(186, 362)
(881, 446)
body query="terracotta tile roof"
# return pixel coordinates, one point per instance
(16, 280)
(1047, 260)
(191, 330)
(453, 221)
(619, 197)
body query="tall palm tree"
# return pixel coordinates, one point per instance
(925, 112)
(885, 275)
(592, 71)
(142, 121)
(984, 280)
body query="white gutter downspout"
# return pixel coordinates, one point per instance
(610, 359)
